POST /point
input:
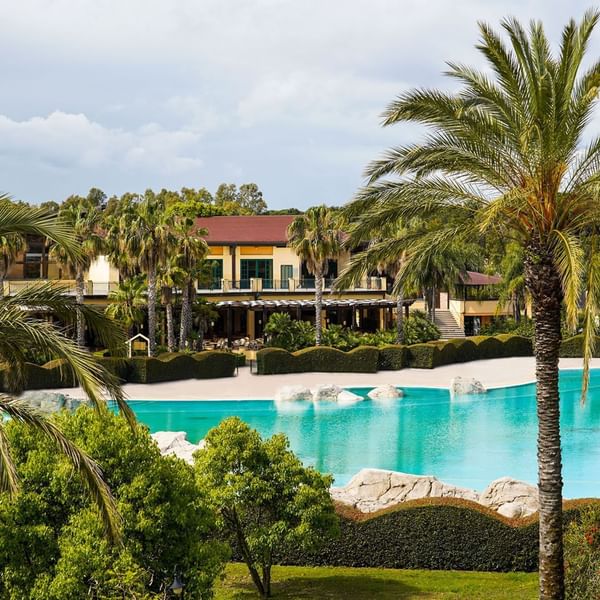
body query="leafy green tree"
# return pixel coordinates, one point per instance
(250, 197)
(11, 245)
(51, 543)
(21, 329)
(247, 200)
(83, 218)
(504, 155)
(289, 334)
(226, 194)
(127, 302)
(267, 500)
(316, 237)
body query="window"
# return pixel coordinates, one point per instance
(287, 273)
(256, 268)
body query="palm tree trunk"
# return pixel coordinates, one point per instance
(185, 316)
(152, 308)
(400, 318)
(545, 286)
(170, 327)
(318, 305)
(79, 295)
(433, 304)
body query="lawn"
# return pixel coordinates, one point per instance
(384, 584)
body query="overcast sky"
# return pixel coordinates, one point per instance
(130, 94)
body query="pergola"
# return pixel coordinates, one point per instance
(297, 306)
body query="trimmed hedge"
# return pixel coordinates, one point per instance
(324, 359)
(573, 347)
(392, 358)
(140, 369)
(440, 533)
(435, 354)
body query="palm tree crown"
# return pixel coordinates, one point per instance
(504, 156)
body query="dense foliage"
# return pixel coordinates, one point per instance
(582, 556)
(51, 541)
(290, 334)
(267, 500)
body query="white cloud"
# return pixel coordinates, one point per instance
(64, 140)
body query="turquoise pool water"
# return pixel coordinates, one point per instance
(468, 442)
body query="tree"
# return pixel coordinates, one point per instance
(167, 280)
(21, 328)
(203, 312)
(266, 498)
(247, 200)
(51, 543)
(11, 245)
(513, 289)
(127, 302)
(504, 155)
(316, 238)
(142, 230)
(83, 218)
(250, 197)
(190, 260)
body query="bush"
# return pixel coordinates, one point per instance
(51, 540)
(289, 334)
(54, 374)
(214, 364)
(582, 555)
(419, 329)
(392, 358)
(516, 345)
(441, 533)
(466, 350)
(422, 356)
(488, 347)
(270, 361)
(573, 347)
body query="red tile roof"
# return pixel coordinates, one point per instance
(475, 278)
(255, 229)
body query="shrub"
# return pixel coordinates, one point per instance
(214, 364)
(422, 356)
(54, 374)
(392, 358)
(488, 347)
(582, 555)
(289, 334)
(466, 350)
(342, 338)
(419, 329)
(51, 541)
(516, 345)
(117, 366)
(573, 347)
(270, 361)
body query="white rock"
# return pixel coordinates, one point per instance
(293, 393)
(461, 386)
(373, 489)
(327, 392)
(345, 398)
(175, 443)
(384, 392)
(510, 497)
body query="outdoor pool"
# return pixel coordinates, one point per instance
(468, 441)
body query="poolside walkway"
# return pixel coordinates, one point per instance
(497, 372)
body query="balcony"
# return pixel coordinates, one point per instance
(299, 286)
(91, 288)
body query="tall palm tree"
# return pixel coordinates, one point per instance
(11, 245)
(83, 220)
(169, 277)
(513, 290)
(505, 155)
(190, 260)
(143, 230)
(316, 238)
(21, 328)
(127, 302)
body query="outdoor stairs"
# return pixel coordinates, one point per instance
(446, 323)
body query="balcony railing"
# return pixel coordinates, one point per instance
(91, 288)
(255, 284)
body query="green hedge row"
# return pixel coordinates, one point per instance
(366, 359)
(167, 367)
(437, 536)
(573, 347)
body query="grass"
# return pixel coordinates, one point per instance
(291, 583)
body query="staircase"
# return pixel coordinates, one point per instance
(447, 325)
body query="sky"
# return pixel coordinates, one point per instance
(127, 95)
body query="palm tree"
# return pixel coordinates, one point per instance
(11, 245)
(192, 252)
(83, 220)
(21, 328)
(143, 231)
(504, 155)
(169, 277)
(316, 238)
(513, 289)
(127, 302)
